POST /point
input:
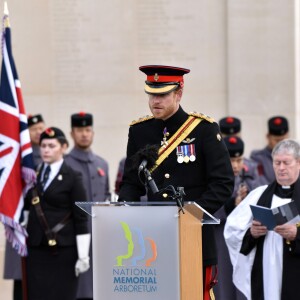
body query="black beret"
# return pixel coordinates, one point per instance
(81, 119)
(278, 125)
(230, 125)
(34, 119)
(235, 146)
(163, 79)
(53, 133)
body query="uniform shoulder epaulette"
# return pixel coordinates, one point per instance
(140, 120)
(202, 116)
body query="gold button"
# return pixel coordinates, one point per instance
(167, 175)
(165, 195)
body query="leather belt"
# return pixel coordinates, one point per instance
(49, 232)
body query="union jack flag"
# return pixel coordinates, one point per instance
(17, 173)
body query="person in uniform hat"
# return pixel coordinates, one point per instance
(244, 182)
(36, 126)
(278, 130)
(198, 161)
(95, 177)
(12, 261)
(232, 126)
(58, 238)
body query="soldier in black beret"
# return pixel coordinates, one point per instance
(197, 161)
(244, 182)
(95, 177)
(36, 126)
(58, 238)
(278, 130)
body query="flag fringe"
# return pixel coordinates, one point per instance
(10, 226)
(29, 177)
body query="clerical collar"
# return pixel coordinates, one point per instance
(284, 191)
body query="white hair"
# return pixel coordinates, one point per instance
(287, 146)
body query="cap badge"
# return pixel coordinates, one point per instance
(34, 120)
(50, 132)
(156, 77)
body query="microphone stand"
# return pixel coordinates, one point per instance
(176, 196)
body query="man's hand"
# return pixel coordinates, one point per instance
(287, 231)
(257, 229)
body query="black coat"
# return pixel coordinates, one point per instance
(208, 180)
(56, 202)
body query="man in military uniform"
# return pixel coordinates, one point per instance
(95, 178)
(232, 126)
(36, 126)
(197, 159)
(244, 182)
(278, 130)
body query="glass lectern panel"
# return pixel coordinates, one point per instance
(192, 207)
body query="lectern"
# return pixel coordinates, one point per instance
(147, 250)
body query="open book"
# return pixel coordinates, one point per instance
(271, 217)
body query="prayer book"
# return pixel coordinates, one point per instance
(271, 217)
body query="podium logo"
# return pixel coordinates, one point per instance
(128, 234)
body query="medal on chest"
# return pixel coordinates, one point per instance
(186, 153)
(164, 143)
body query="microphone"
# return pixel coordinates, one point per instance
(151, 182)
(143, 165)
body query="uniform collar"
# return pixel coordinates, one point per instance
(175, 121)
(86, 156)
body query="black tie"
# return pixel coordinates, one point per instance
(46, 176)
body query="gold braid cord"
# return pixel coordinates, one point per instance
(211, 294)
(185, 129)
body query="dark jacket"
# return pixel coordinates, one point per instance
(56, 202)
(208, 180)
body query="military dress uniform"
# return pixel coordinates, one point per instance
(200, 163)
(96, 182)
(51, 262)
(202, 180)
